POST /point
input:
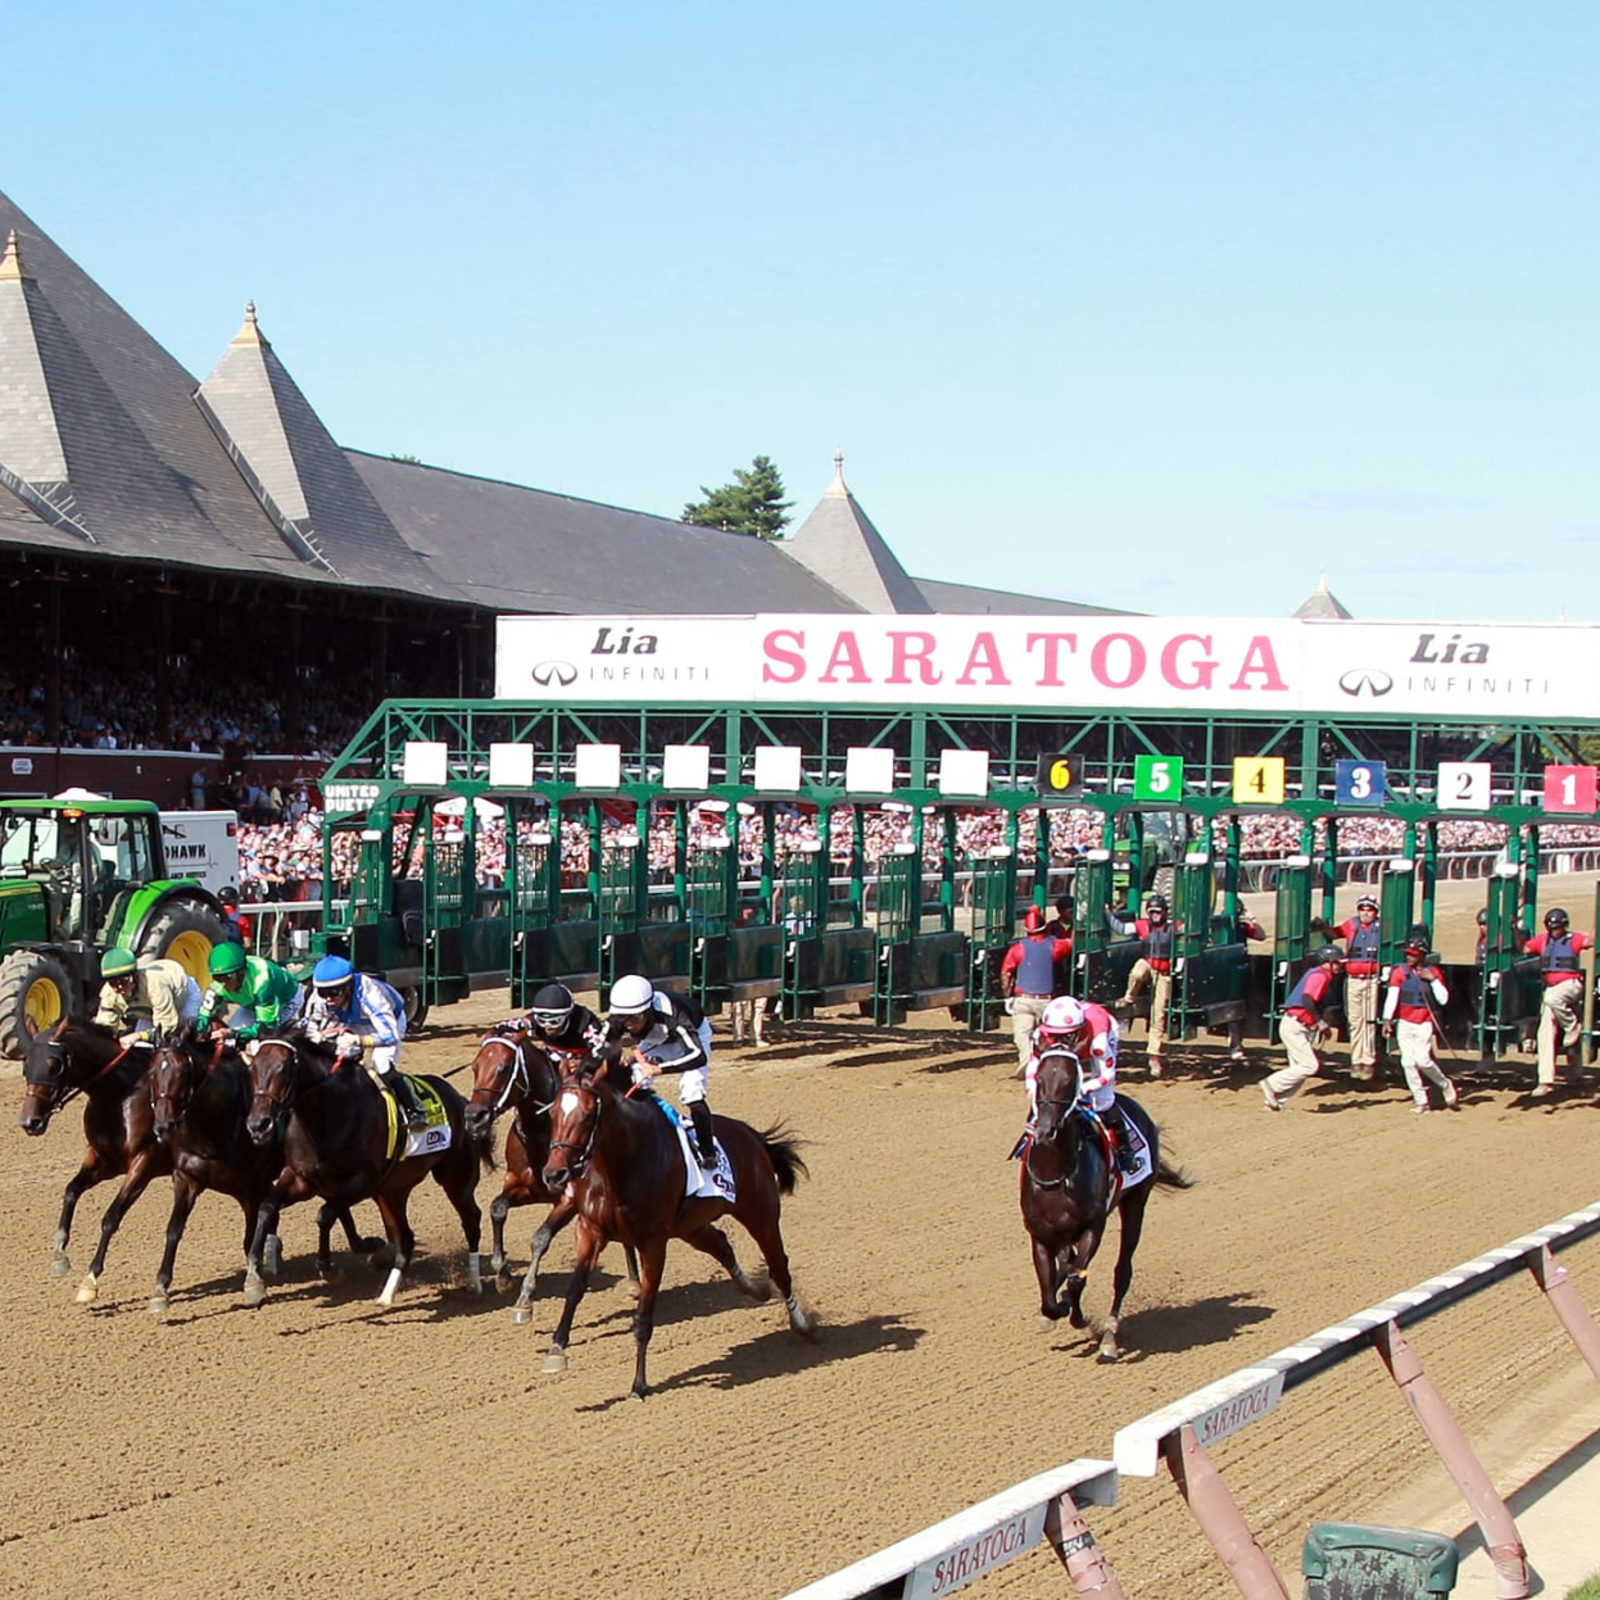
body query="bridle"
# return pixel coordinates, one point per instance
(188, 1067)
(60, 1061)
(1070, 1102)
(519, 1085)
(284, 1106)
(580, 1162)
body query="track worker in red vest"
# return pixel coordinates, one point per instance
(1561, 1004)
(1154, 967)
(1027, 979)
(1414, 992)
(1301, 1026)
(1363, 968)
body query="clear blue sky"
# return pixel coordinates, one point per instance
(1166, 306)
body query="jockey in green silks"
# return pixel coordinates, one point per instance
(252, 993)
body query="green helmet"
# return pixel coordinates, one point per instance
(118, 962)
(226, 959)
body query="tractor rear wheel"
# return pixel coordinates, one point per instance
(35, 994)
(186, 933)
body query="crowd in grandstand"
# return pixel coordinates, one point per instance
(281, 857)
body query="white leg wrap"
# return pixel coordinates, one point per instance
(387, 1297)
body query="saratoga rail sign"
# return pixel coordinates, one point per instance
(1481, 670)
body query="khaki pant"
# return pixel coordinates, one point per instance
(1361, 1012)
(1416, 1059)
(748, 1018)
(1139, 975)
(1026, 1010)
(1560, 1009)
(1299, 1043)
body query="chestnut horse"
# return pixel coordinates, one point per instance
(74, 1058)
(513, 1071)
(336, 1145)
(1070, 1187)
(199, 1095)
(628, 1174)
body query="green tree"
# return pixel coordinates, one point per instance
(753, 503)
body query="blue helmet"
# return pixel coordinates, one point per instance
(332, 972)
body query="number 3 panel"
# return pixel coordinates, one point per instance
(1360, 783)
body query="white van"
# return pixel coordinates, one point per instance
(203, 845)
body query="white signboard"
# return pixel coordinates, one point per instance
(955, 1568)
(1048, 663)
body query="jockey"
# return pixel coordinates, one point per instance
(669, 1033)
(140, 996)
(248, 993)
(362, 1011)
(1091, 1033)
(560, 1025)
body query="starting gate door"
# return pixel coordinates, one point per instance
(623, 862)
(1291, 934)
(1397, 896)
(447, 865)
(992, 874)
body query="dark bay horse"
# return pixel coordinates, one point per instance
(1070, 1187)
(82, 1058)
(514, 1072)
(624, 1162)
(199, 1099)
(336, 1145)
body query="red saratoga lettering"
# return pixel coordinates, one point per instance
(1050, 673)
(792, 663)
(1203, 670)
(845, 653)
(985, 653)
(1260, 661)
(909, 649)
(1099, 660)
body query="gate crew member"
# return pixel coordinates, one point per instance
(1245, 928)
(248, 994)
(1154, 967)
(364, 1013)
(669, 1033)
(1301, 1027)
(1411, 999)
(1561, 1004)
(1362, 968)
(137, 997)
(1027, 979)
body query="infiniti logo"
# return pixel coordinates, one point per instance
(562, 673)
(1366, 680)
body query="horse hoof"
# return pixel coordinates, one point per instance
(272, 1256)
(556, 1361)
(88, 1291)
(159, 1307)
(60, 1267)
(1077, 1319)
(255, 1291)
(1044, 1323)
(1106, 1357)
(521, 1316)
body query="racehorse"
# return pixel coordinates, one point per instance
(623, 1158)
(337, 1145)
(514, 1072)
(1070, 1187)
(74, 1058)
(199, 1097)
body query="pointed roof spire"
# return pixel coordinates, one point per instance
(11, 262)
(1322, 604)
(250, 332)
(840, 545)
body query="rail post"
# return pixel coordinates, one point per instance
(1219, 1517)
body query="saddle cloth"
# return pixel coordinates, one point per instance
(699, 1184)
(1141, 1150)
(421, 1141)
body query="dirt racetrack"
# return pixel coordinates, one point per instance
(317, 1447)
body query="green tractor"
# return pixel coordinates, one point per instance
(77, 876)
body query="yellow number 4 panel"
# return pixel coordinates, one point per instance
(1258, 780)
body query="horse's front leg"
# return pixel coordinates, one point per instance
(184, 1195)
(403, 1241)
(360, 1243)
(255, 1288)
(140, 1172)
(652, 1260)
(1044, 1269)
(1077, 1268)
(1132, 1226)
(589, 1242)
(93, 1171)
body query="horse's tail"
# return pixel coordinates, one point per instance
(1168, 1175)
(783, 1151)
(455, 1104)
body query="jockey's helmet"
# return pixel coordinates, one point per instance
(1033, 922)
(631, 996)
(1417, 942)
(227, 958)
(1063, 1015)
(332, 973)
(1330, 955)
(552, 1005)
(1554, 918)
(1367, 903)
(118, 962)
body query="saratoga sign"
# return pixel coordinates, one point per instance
(1056, 662)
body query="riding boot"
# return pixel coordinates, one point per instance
(405, 1097)
(705, 1137)
(1116, 1120)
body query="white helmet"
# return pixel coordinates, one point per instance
(1063, 1015)
(631, 996)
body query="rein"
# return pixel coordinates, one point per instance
(73, 1090)
(580, 1162)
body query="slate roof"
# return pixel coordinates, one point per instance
(965, 599)
(839, 541)
(518, 549)
(1322, 605)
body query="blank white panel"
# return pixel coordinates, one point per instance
(425, 764)
(686, 766)
(964, 772)
(510, 766)
(868, 769)
(597, 766)
(777, 766)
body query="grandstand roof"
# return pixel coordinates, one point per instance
(838, 540)
(965, 599)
